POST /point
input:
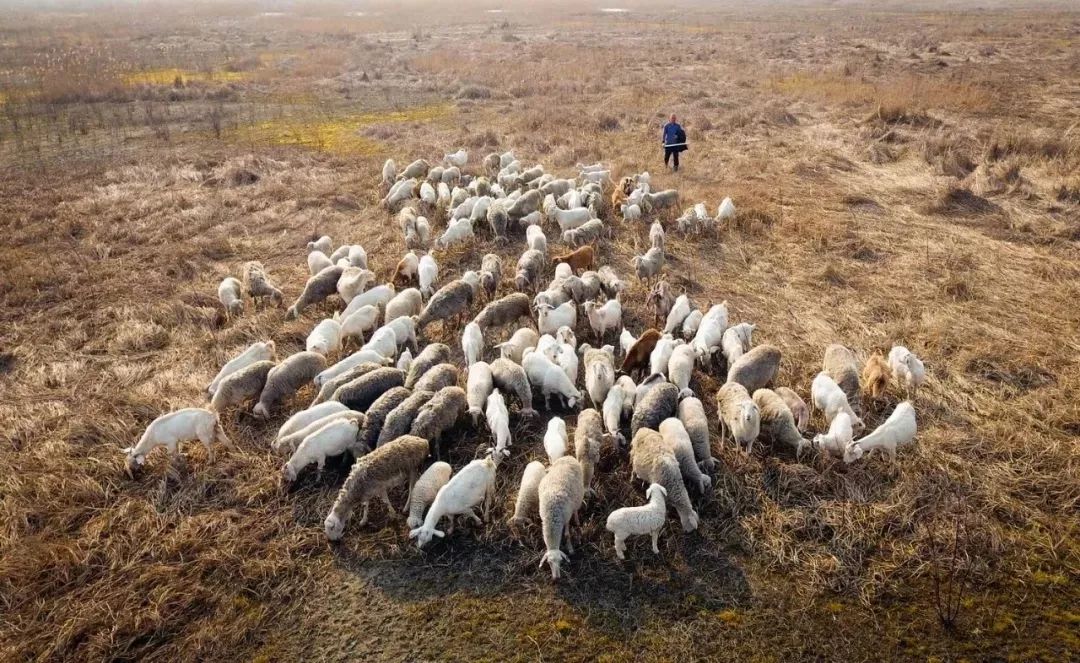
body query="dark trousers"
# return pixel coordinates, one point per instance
(670, 152)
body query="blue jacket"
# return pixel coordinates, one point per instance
(673, 133)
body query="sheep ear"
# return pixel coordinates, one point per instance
(438, 533)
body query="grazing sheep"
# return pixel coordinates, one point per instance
(711, 332)
(331, 384)
(472, 344)
(361, 392)
(258, 285)
(675, 434)
(427, 274)
(666, 199)
(383, 342)
(535, 239)
(428, 195)
(453, 299)
(907, 369)
(797, 406)
(260, 351)
(169, 430)
(401, 191)
(287, 378)
(626, 340)
(526, 203)
(726, 210)
(510, 377)
(323, 244)
(614, 410)
(776, 422)
(842, 366)
(529, 268)
(549, 377)
(898, 430)
(401, 418)
(229, 294)
(456, 232)
(504, 311)
(680, 367)
(438, 377)
(588, 435)
(406, 269)
(550, 318)
(739, 414)
(653, 461)
(637, 357)
(691, 413)
(425, 490)
(660, 300)
(333, 439)
(406, 303)
(352, 282)
(371, 476)
(490, 274)
(478, 388)
(599, 372)
(404, 361)
(736, 341)
(579, 260)
(660, 403)
(678, 312)
(661, 355)
(560, 493)
(241, 386)
(836, 441)
(642, 389)
(451, 175)
(325, 337)
(359, 322)
(604, 318)
(828, 397)
(756, 369)
(656, 236)
(375, 416)
(317, 288)
(417, 168)
(498, 219)
(566, 358)
(528, 498)
(305, 417)
(348, 363)
(377, 296)
(318, 261)
(586, 233)
(633, 520)
(340, 253)
(439, 414)
(555, 439)
(498, 420)
(432, 355)
(610, 282)
(875, 375)
(461, 494)
(691, 323)
(289, 443)
(389, 172)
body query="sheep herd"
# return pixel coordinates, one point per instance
(389, 403)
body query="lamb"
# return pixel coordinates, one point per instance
(453, 299)
(579, 260)
(560, 493)
(325, 337)
(586, 233)
(376, 414)
(776, 422)
(567, 219)
(756, 369)
(425, 490)
(550, 318)
(317, 288)
(528, 499)
(407, 268)
(656, 236)
(258, 285)
(260, 351)
(404, 361)
(661, 354)
(318, 261)
(510, 377)
(660, 403)
(169, 430)
(521, 340)
(401, 418)
(660, 300)
(361, 392)
(691, 323)
(377, 296)
(680, 367)
(348, 363)
(242, 386)
(836, 441)
(653, 461)
(371, 476)
(406, 303)
(797, 406)
(711, 331)
(738, 414)
(439, 414)
(599, 373)
(691, 413)
(432, 355)
(842, 366)
(736, 341)
(333, 439)
(898, 430)
(228, 293)
(907, 369)
(443, 375)
(461, 494)
(631, 520)
(529, 267)
(604, 318)
(677, 314)
(588, 434)
(352, 282)
(639, 353)
(535, 239)
(324, 244)
(389, 172)
(286, 378)
(358, 322)
(500, 312)
(427, 274)
(614, 410)
(555, 439)
(676, 435)
(549, 378)
(828, 397)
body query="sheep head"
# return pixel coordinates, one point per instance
(423, 535)
(554, 559)
(334, 527)
(655, 488)
(853, 452)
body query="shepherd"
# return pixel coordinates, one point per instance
(674, 142)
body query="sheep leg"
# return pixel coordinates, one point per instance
(620, 546)
(472, 514)
(412, 484)
(364, 515)
(566, 535)
(386, 498)
(655, 536)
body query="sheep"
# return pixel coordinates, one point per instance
(427, 274)
(401, 418)
(521, 340)
(776, 422)
(656, 236)
(739, 414)
(661, 354)
(377, 296)
(498, 421)
(479, 210)
(500, 312)
(352, 282)
(498, 219)
(556, 297)
(613, 411)
(289, 443)
(453, 299)
(348, 363)
(443, 375)
(528, 498)
(383, 342)
(567, 219)
(828, 397)
(677, 314)
(550, 318)
(376, 414)
(642, 389)
(422, 235)
(599, 373)
(653, 461)
(359, 393)
(257, 284)
(756, 369)
(491, 163)
(626, 340)
(417, 168)
(691, 413)
(371, 476)
(531, 219)
(875, 375)
(357, 256)
(358, 322)
(472, 344)
(711, 332)
(318, 261)
(333, 439)
(680, 367)
(490, 273)
(660, 200)
(404, 361)
(898, 430)
(660, 403)
(603, 318)
(639, 353)
(324, 244)
(425, 490)
(330, 384)
(736, 341)
(325, 337)
(260, 351)
(660, 300)
(586, 233)
(555, 439)
(579, 260)
(406, 269)
(591, 285)
(726, 210)
(439, 414)
(907, 369)
(691, 323)
(389, 172)
(461, 494)
(588, 434)
(836, 441)
(169, 430)
(610, 282)
(560, 493)
(526, 203)
(455, 233)
(451, 175)
(549, 378)
(566, 358)
(432, 355)
(399, 193)
(286, 378)
(631, 520)
(842, 366)
(529, 267)
(405, 303)
(632, 212)
(339, 253)
(229, 294)
(535, 239)
(797, 406)
(675, 434)
(317, 288)
(427, 194)
(510, 377)
(241, 386)
(477, 388)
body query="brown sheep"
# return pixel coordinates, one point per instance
(637, 357)
(876, 375)
(580, 260)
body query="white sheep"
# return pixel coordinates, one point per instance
(898, 430)
(828, 397)
(599, 372)
(631, 212)
(626, 340)
(355, 359)
(656, 235)
(711, 331)
(555, 439)
(333, 439)
(648, 265)
(428, 274)
(305, 417)
(377, 296)
(566, 358)
(425, 490)
(428, 195)
(291, 442)
(455, 233)
(229, 294)
(677, 314)
(521, 340)
(389, 171)
(406, 268)
(674, 433)
(661, 354)
(736, 341)
(359, 322)
(549, 378)
(318, 261)
(535, 239)
(738, 414)
(603, 318)
(680, 367)
(907, 369)
(560, 494)
(478, 387)
(352, 282)
(404, 304)
(726, 210)
(635, 520)
(256, 352)
(323, 244)
(169, 430)
(691, 323)
(472, 344)
(383, 342)
(325, 337)
(838, 438)
(498, 420)
(461, 494)
(550, 318)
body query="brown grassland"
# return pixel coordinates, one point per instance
(904, 173)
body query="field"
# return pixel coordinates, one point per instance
(905, 173)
